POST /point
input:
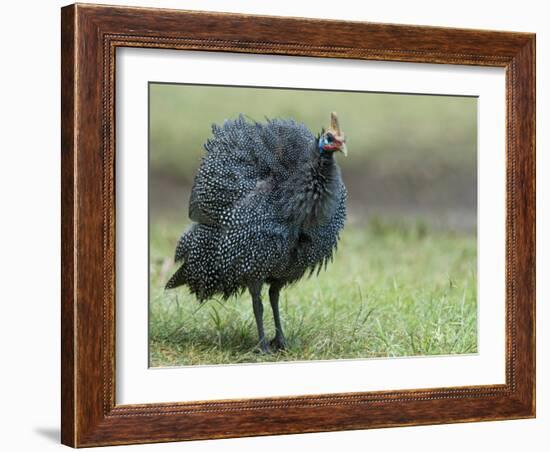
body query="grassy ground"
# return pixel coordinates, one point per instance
(392, 290)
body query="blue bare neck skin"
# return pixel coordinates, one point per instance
(325, 156)
(322, 152)
(320, 145)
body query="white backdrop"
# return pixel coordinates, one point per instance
(136, 383)
(30, 227)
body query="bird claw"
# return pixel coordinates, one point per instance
(262, 348)
(278, 344)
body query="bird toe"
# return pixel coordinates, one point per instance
(278, 344)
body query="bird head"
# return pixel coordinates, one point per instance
(333, 138)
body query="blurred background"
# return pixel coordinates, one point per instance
(403, 282)
(410, 156)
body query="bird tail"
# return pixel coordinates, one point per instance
(197, 252)
(177, 279)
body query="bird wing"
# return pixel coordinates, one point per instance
(255, 243)
(240, 156)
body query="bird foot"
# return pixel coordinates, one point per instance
(275, 345)
(262, 348)
(278, 343)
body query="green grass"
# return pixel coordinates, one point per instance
(394, 289)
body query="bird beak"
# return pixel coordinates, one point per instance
(337, 130)
(344, 149)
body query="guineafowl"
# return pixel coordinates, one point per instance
(268, 204)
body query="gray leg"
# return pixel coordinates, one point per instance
(256, 291)
(279, 342)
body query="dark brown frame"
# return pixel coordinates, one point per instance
(90, 34)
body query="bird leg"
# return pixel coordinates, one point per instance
(279, 341)
(256, 293)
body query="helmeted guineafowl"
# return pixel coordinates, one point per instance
(268, 203)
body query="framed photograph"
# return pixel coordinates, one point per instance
(268, 229)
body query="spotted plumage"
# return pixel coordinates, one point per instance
(268, 204)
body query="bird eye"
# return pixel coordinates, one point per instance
(330, 138)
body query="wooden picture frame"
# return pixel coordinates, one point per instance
(90, 35)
